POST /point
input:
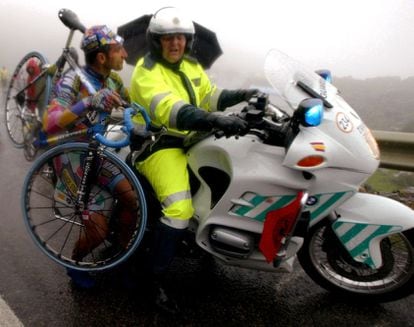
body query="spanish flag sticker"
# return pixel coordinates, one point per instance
(318, 146)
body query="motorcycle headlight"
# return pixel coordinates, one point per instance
(310, 112)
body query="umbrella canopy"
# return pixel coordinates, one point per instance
(206, 48)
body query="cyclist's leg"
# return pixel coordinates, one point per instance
(95, 225)
(94, 233)
(123, 192)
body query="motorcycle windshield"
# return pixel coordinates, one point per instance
(342, 139)
(294, 82)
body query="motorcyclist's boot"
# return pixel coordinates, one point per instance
(166, 240)
(81, 279)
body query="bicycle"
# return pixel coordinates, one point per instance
(30, 88)
(64, 201)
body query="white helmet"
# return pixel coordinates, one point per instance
(169, 20)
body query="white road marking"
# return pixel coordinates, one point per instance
(7, 316)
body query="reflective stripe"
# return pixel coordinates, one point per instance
(205, 100)
(176, 133)
(155, 101)
(214, 98)
(169, 200)
(175, 223)
(174, 111)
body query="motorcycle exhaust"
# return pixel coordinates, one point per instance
(231, 242)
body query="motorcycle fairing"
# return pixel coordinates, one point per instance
(319, 205)
(257, 206)
(364, 220)
(278, 226)
(363, 240)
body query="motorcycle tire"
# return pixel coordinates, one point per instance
(327, 262)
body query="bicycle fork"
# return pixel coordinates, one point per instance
(84, 188)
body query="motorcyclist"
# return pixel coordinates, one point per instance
(72, 108)
(178, 95)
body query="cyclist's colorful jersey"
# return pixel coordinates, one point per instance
(68, 172)
(67, 111)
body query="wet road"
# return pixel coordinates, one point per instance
(40, 294)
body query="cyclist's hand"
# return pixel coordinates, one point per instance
(105, 100)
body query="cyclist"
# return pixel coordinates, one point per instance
(178, 95)
(72, 108)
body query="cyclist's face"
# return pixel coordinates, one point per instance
(115, 57)
(173, 47)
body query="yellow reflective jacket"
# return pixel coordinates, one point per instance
(162, 91)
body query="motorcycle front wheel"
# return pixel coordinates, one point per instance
(327, 262)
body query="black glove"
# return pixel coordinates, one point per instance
(230, 98)
(191, 118)
(249, 93)
(230, 125)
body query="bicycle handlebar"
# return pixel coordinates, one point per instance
(127, 128)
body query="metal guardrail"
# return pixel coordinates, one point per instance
(397, 150)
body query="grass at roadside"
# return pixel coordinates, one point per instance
(387, 180)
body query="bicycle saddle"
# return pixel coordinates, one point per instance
(71, 20)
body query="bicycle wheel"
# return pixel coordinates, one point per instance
(60, 228)
(27, 95)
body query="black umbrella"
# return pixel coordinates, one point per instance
(206, 48)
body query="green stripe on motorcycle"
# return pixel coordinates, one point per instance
(277, 205)
(325, 206)
(350, 234)
(364, 246)
(255, 202)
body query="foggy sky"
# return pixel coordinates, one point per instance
(359, 38)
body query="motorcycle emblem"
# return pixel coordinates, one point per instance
(312, 200)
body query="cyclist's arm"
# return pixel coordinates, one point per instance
(120, 87)
(65, 107)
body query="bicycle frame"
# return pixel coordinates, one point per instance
(55, 71)
(24, 114)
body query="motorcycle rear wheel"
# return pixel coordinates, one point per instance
(325, 260)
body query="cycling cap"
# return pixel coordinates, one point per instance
(96, 37)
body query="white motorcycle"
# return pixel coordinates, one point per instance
(289, 188)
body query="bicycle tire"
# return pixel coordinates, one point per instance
(16, 101)
(55, 226)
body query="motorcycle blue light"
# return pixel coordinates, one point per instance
(314, 115)
(325, 74)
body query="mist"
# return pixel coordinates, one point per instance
(362, 39)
